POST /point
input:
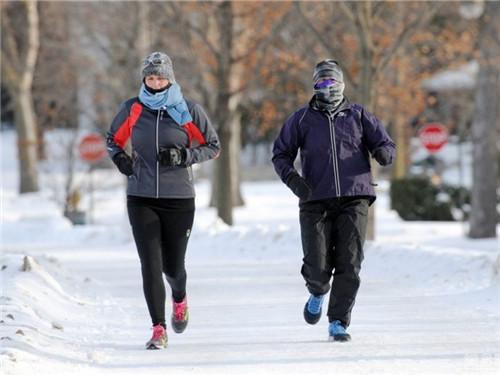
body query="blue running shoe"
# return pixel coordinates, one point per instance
(312, 309)
(337, 332)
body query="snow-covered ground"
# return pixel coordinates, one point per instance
(429, 301)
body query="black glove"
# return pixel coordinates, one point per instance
(382, 156)
(299, 186)
(172, 157)
(124, 163)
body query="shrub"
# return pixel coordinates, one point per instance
(416, 198)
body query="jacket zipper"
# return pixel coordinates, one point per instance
(333, 142)
(157, 152)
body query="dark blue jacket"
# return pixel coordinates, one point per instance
(334, 149)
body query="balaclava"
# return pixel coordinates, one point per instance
(158, 63)
(328, 83)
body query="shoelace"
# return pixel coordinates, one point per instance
(180, 310)
(158, 332)
(314, 304)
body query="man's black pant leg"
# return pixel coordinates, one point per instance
(316, 245)
(349, 232)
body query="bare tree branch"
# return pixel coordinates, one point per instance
(197, 31)
(378, 8)
(325, 43)
(363, 20)
(496, 38)
(407, 32)
(10, 50)
(265, 40)
(347, 11)
(240, 89)
(203, 36)
(9, 75)
(244, 14)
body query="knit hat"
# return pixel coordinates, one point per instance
(327, 69)
(158, 63)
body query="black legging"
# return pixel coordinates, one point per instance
(161, 229)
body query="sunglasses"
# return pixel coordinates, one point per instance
(325, 84)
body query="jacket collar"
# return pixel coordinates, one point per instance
(346, 104)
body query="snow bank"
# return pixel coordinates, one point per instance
(36, 308)
(431, 270)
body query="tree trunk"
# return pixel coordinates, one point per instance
(483, 217)
(27, 142)
(235, 123)
(400, 130)
(366, 94)
(226, 189)
(223, 187)
(363, 20)
(20, 85)
(235, 152)
(231, 147)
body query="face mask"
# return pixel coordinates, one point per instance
(156, 91)
(329, 91)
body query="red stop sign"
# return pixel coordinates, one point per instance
(92, 148)
(433, 136)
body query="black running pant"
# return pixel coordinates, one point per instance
(161, 229)
(333, 233)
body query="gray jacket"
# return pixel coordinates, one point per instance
(149, 130)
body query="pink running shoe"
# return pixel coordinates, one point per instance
(159, 339)
(180, 315)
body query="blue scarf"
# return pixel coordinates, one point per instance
(170, 99)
